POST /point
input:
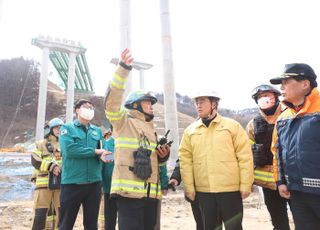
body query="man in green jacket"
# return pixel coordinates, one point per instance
(110, 205)
(81, 168)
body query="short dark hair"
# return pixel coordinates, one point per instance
(313, 83)
(80, 102)
(214, 99)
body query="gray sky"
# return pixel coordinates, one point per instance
(229, 46)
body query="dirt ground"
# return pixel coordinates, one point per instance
(176, 214)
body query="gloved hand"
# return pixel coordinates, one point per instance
(142, 163)
(163, 152)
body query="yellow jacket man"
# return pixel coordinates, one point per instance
(216, 164)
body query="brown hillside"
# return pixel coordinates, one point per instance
(23, 128)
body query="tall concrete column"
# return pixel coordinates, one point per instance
(141, 76)
(125, 33)
(1, 4)
(70, 89)
(171, 119)
(42, 100)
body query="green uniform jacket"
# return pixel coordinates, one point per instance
(108, 167)
(80, 164)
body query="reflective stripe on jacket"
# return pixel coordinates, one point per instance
(43, 160)
(129, 128)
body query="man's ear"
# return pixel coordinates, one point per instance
(307, 84)
(214, 104)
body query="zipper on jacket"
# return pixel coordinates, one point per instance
(86, 132)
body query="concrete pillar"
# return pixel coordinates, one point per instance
(141, 75)
(171, 119)
(70, 89)
(42, 100)
(125, 33)
(1, 4)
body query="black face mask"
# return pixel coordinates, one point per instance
(271, 110)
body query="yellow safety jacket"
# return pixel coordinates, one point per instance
(44, 161)
(129, 128)
(216, 158)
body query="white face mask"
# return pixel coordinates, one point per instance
(265, 102)
(86, 113)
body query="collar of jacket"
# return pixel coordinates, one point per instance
(137, 114)
(76, 122)
(217, 119)
(308, 102)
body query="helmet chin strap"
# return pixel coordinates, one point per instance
(148, 116)
(211, 114)
(52, 133)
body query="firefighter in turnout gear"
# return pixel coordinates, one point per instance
(260, 130)
(46, 158)
(136, 178)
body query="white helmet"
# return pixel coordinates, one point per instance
(206, 93)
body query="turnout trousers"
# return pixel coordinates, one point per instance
(277, 207)
(136, 214)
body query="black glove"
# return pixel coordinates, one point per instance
(142, 163)
(260, 158)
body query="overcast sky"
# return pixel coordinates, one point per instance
(228, 46)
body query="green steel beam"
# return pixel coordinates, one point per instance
(65, 59)
(56, 63)
(83, 81)
(84, 61)
(79, 75)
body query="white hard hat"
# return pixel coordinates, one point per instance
(206, 93)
